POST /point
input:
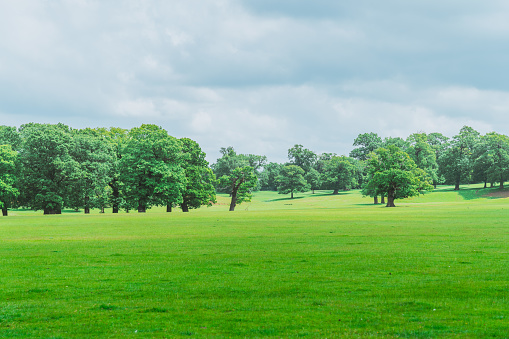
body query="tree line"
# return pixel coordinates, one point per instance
(50, 167)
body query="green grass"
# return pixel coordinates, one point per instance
(314, 267)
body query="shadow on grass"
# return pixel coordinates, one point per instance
(485, 193)
(316, 195)
(284, 199)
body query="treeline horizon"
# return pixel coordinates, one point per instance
(53, 166)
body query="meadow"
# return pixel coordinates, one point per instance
(317, 266)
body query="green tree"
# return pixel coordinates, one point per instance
(10, 136)
(291, 179)
(340, 173)
(367, 143)
(456, 162)
(423, 155)
(48, 171)
(314, 179)
(239, 183)
(498, 152)
(95, 158)
(199, 189)
(302, 157)
(394, 173)
(151, 172)
(267, 178)
(8, 170)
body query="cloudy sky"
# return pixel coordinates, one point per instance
(258, 75)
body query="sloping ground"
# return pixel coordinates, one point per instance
(498, 194)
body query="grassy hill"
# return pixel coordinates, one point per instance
(315, 266)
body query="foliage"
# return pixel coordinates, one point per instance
(151, 172)
(497, 151)
(340, 173)
(394, 173)
(10, 136)
(367, 142)
(314, 179)
(291, 180)
(302, 157)
(199, 189)
(267, 178)
(423, 154)
(8, 171)
(239, 183)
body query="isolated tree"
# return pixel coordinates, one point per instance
(48, 171)
(314, 179)
(302, 157)
(456, 162)
(8, 171)
(340, 174)
(151, 172)
(239, 183)
(199, 189)
(394, 173)
(291, 179)
(230, 160)
(367, 143)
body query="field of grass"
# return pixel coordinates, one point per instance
(318, 266)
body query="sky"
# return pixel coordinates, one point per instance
(258, 75)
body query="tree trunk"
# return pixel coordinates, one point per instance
(185, 207)
(501, 184)
(390, 199)
(141, 208)
(102, 209)
(336, 191)
(491, 184)
(291, 197)
(375, 200)
(168, 208)
(234, 201)
(457, 185)
(127, 209)
(87, 205)
(4, 211)
(313, 191)
(485, 184)
(116, 196)
(383, 199)
(115, 208)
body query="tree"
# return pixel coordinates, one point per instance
(231, 160)
(396, 141)
(8, 170)
(498, 152)
(367, 142)
(151, 172)
(423, 155)
(395, 174)
(340, 174)
(456, 162)
(291, 179)
(239, 183)
(302, 157)
(200, 179)
(48, 171)
(10, 136)
(314, 179)
(95, 158)
(267, 178)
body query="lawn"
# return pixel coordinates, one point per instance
(316, 266)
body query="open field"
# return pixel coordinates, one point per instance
(316, 266)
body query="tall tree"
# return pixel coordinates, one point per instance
(314, 179)
(456, 162)
(340, 174)
(423, 155)
(367, 143)
(151, 172)
(199, 189)
(498, 152)
(267, 178)
(302, 157)
(95, 158)
(48, 171)
(394, 173)
(8, 170)
(239, 183)
(10, 136)
(291, 179)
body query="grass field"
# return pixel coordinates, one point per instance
(318, 266)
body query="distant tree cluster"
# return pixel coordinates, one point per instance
(51, 167)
